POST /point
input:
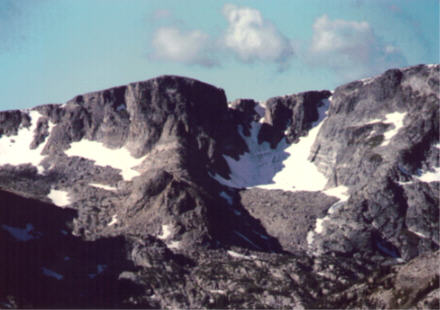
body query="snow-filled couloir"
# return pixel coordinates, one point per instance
(286, 167)
(16, 149)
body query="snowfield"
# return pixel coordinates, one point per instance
(15, 150)
(120, 159)
(287, 167)
(298, 172)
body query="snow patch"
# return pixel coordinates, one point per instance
(113, 221)
(120, 159)
(166, 232)
(236, 212)
(15, 150)
(261, 235)
(254, 167)
(336, 206)
(121, 107)
(246, 239)
(227, 197)
(21, 234)
(103, 186)
(386, 250)
(405, 183)
(50, 273)
(430, 176)
(99, 269)
(238, 255)
(59, 198)
(396, 119)
(373, 121)
(421, 235)
(319, 227)
(367, 81)
(340, 192)
(173, 245)
(260, 109)
(403, 169)
(310, 237)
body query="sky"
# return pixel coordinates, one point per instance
(53, 50)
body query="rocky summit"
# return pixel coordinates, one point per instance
(161, 194)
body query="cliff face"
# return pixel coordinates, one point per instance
(306, 200)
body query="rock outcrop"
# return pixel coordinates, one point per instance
(159, 194)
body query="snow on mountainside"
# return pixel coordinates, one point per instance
(276, 168)
(18, 149)
(183, 200)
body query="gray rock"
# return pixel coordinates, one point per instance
(287, 216)
(170, 236)
(293, 113)
(351, 150)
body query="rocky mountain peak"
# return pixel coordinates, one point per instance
(316, 199)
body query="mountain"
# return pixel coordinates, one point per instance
(161, 194)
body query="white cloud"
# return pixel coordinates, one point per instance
(249, 36)
(189, 47)
(253, 38)
(351, 48)
(340, 35)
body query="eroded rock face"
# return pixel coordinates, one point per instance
(141, 176)
(380, 136)
(291, 116)
(126, 153)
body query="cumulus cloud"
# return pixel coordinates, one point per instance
(189, 47)
(253, 38)
(351, 48)
(249, 36)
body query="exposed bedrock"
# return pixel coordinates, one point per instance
(381, 139)
(290, 116)
(312, 200)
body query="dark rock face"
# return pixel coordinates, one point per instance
(293, 114)
(44, 266)
(378, 136)
(116, 197)
(174, 123)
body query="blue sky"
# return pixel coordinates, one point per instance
(52, 50)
